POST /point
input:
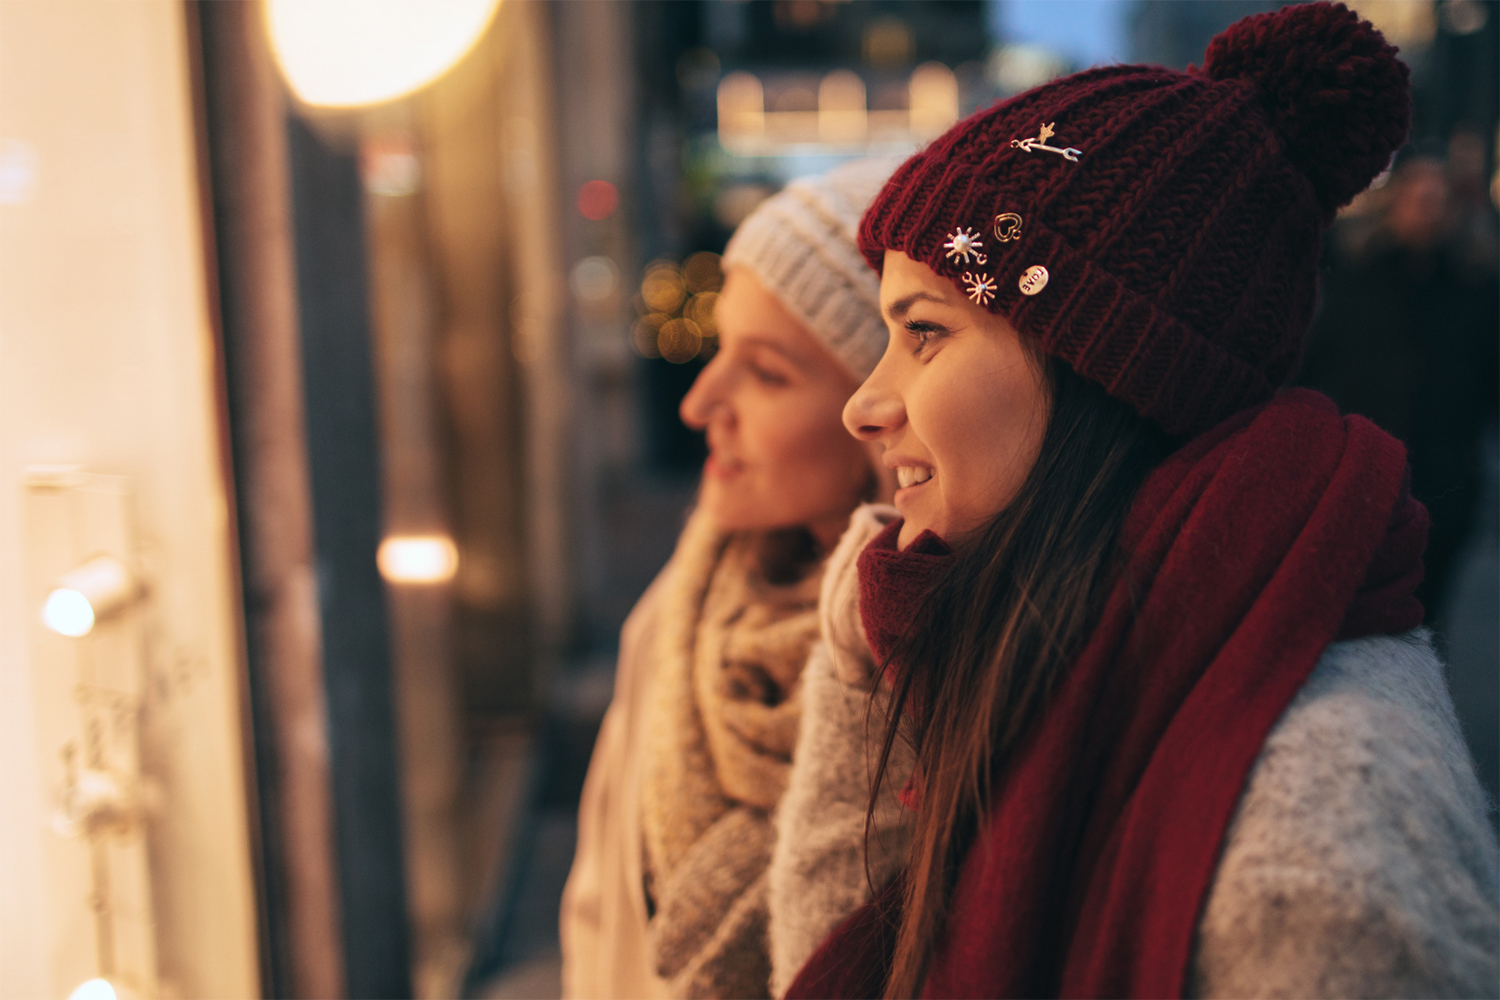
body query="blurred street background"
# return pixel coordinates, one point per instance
(341, 345)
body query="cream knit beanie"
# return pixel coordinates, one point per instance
(801, 244)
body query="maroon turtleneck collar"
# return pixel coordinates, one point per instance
(893, 582)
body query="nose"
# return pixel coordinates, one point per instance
(698, 405)
(875, 408)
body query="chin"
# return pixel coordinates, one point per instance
(731, 513)
(737, 513)
(913, 522)
(909, 531)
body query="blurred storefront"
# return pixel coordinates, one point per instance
(127, 845)
(341, 345)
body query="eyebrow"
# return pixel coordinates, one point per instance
(761, 340)
(903, 305)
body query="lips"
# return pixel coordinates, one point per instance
(721, 466)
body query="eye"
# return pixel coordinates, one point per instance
(765, 375)
(923, 333)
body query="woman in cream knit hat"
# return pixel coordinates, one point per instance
(668, 894)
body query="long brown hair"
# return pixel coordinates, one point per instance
(1005, 622)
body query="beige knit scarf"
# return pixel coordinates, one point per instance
(729, 651)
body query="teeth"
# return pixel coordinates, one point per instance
(911, 475)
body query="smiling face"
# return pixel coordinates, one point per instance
(958, 403)
(770, 402)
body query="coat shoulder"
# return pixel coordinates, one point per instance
(1361, 860)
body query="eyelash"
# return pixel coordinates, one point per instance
(923, 333)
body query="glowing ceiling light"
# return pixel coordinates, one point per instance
(348, 53)
(417, 559)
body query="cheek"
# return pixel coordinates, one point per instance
(803, 463)
(981, 423)
(804, 445)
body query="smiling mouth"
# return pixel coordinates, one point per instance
(911, 475)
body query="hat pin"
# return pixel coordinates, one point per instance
(1040, 142)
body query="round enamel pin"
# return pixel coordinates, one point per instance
(1034, 280)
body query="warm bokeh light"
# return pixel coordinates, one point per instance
(700, 309)
(677, 308)
(94, 590)
(662, 288)
(703, 272)
(783, 115)
(742, 105)
(95, 989)
(643, 337)
(934, 100)
(348, 53)
(417, 559)
(841, 108)
(67, 612)
(679, 340)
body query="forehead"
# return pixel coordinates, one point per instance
(750, 316)
(902, 277)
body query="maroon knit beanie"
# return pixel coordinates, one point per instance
(1156, 230)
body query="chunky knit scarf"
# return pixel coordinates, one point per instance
(1250, 551)
(725, 709)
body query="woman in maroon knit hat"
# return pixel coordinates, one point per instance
(1144, 618)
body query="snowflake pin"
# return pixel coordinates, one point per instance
(981, 288)
(964, 243)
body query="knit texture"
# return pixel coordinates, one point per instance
(826, 860)
(724, 718)
(1182, 243)
(825, 863)
(1240, 570)
(1360, 862)
(801, 244)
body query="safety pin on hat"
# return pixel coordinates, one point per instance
(1040, 142)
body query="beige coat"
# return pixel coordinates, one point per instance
(603, 926)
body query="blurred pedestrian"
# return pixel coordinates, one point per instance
(668, 893)
(1149, 620)
(1407, 335)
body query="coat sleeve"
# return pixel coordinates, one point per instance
(602, 918)
(1361, 861)
(817, 874)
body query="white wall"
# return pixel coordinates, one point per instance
(107, 362)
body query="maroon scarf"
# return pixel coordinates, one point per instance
(1253, 547)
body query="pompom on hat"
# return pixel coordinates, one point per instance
(1157, 230)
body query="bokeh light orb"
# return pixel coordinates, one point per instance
(69, 613)
(597, 200)
(95, 989)
(417, 559)
(349, 53)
